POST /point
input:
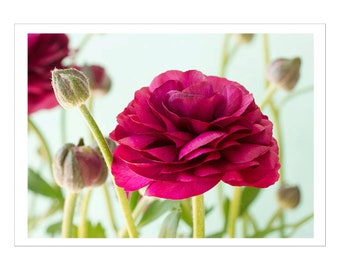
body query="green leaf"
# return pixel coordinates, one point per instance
(249, 194)
(95, 231)
(170, 224)
(134, 198)
(38, 185)
(55, 229)
(186, 211)
(155, 210)
(226, 208)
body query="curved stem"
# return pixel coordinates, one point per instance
(234, 210)
(220, 197)
(33, 222)
(227, 54)
(108, 160)
(295, 93)
(273, 218)
(268, 96)
(278, 131)
(266, 54)
(82, 229)
(198, 216)
(224, 54)
(110, 209)
(69, 206)
(43, 142)
(139, 209)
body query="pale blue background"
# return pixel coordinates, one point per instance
(133, 60)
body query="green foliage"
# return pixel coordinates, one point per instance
(134, 198)
(40, 186)
(93, 230)
(155, 210)
(249, 194)
(170, 224)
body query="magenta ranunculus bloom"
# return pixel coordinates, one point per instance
(45, 52)
(186, 132)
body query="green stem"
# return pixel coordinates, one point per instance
(268, 96)
(43, 142)
(266, 54)
(69, 206)
(33, 222)
(282, 227)
(226, 55)
(294, 94)
(298, 224)
(294, 227)
(110, 208)
(278, 133)
(245, 226)
(82, 230)
(63, 126)
(81, 46)
(273, 218)
(234, 210)
(220, 197)
(108, 160)
(139, 209)
(251, 220)
(277, 126)
(198, 216)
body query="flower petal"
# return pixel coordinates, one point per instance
(179, 190)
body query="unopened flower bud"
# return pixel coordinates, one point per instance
(288, 196)
(100, 82)
(77, 167)
(71, 87)
(284, 73)
(244, 38)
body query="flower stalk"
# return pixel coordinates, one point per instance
(82, 230)
(69, 207)
(234, 211)
(108, 160)
(198, 216)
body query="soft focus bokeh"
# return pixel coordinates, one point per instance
(133, 60)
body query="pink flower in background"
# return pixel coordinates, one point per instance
(186, 132)
(45, 52)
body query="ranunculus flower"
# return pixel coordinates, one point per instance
(186, 132)
(45, 52)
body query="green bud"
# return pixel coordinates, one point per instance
(71, 87)
(284, 73)
(77, 167)
(288, 196)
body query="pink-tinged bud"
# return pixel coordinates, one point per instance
(100, 82)
(77, 167)
(71, 87)
(288, 196)
(244, 38)
(284, 73)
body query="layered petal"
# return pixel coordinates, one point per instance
(186, 132)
